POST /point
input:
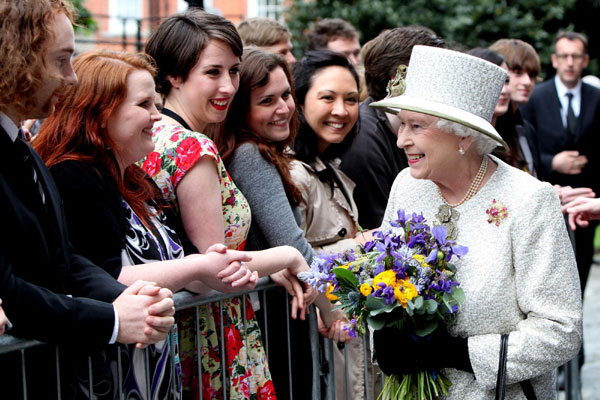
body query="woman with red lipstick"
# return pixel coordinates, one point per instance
(114, 213)
(198, 57)
(518, 248)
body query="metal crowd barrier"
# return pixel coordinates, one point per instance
(323, 367)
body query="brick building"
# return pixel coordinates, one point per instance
(125, 24)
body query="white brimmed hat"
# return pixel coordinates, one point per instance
(450, 85)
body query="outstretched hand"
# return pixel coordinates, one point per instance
(336, 331)
(566, 194)
(225, 270)
(581, 211)
(286, 279)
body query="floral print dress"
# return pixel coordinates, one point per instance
(177, 150)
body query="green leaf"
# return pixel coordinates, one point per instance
(431, 306)
(387, 308)
(374, 303)
(458, 294)
(376, 323)
(417, 301)
(427, 329)
(345, 277)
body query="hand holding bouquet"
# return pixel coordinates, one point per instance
(402, 280)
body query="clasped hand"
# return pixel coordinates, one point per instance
(223, 270)
(145, 313)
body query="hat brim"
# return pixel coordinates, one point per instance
(393, 105)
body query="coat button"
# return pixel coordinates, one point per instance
(342, 232)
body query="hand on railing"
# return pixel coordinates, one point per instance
(223, 270)
(145, 314)
(336, 331)
(4, 323)
(302, 295)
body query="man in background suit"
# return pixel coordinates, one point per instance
(49, 293)
(566, 115)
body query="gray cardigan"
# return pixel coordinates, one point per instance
(274, 222)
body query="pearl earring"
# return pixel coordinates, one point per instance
(461, 151)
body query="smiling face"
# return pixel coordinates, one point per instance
(432, 152)
(206, 94)
(520, 86)
(130, 125)
(569, 60)
(331, 105)
(58, 72)
(272, 108)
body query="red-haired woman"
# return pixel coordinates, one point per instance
(99, 129)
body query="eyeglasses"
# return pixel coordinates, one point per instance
(575, 56)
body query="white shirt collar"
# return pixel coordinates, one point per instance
(9, 126)
(562, 90)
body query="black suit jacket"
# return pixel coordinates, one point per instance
(543, 112)
(37, 266)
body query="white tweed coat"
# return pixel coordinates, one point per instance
(519, 277)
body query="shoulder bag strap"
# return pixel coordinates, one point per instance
(526, 385)
(501, 380)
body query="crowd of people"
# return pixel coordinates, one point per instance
(216, 157)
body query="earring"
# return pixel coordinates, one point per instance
(461, 151)
(102, 125)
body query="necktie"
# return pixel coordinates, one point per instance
(571, 118)
(31, 165)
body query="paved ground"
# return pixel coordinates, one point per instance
(590, 371)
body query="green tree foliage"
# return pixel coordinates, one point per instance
(83, 20)
(463, 23)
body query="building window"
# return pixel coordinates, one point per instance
(124, 15)
(265, 8)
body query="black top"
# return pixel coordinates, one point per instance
(95, 214)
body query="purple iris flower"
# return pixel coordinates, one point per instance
(350, 328)
(385, 292)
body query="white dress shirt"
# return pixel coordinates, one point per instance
(562, 91)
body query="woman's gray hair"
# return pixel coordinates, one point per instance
(483, 144)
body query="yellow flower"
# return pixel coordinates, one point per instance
(366, 289)
(388, 277)
(405, 291)
(345, 266)
(421, 259)
(329, 295)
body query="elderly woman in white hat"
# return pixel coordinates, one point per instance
(519, 276)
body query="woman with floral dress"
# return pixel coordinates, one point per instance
(198, 57)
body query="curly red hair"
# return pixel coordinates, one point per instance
(76, 130)
(26, 31)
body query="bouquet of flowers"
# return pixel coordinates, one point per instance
(403, 280)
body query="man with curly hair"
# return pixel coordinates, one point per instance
(48, 292)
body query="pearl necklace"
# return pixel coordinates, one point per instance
(474, 185)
